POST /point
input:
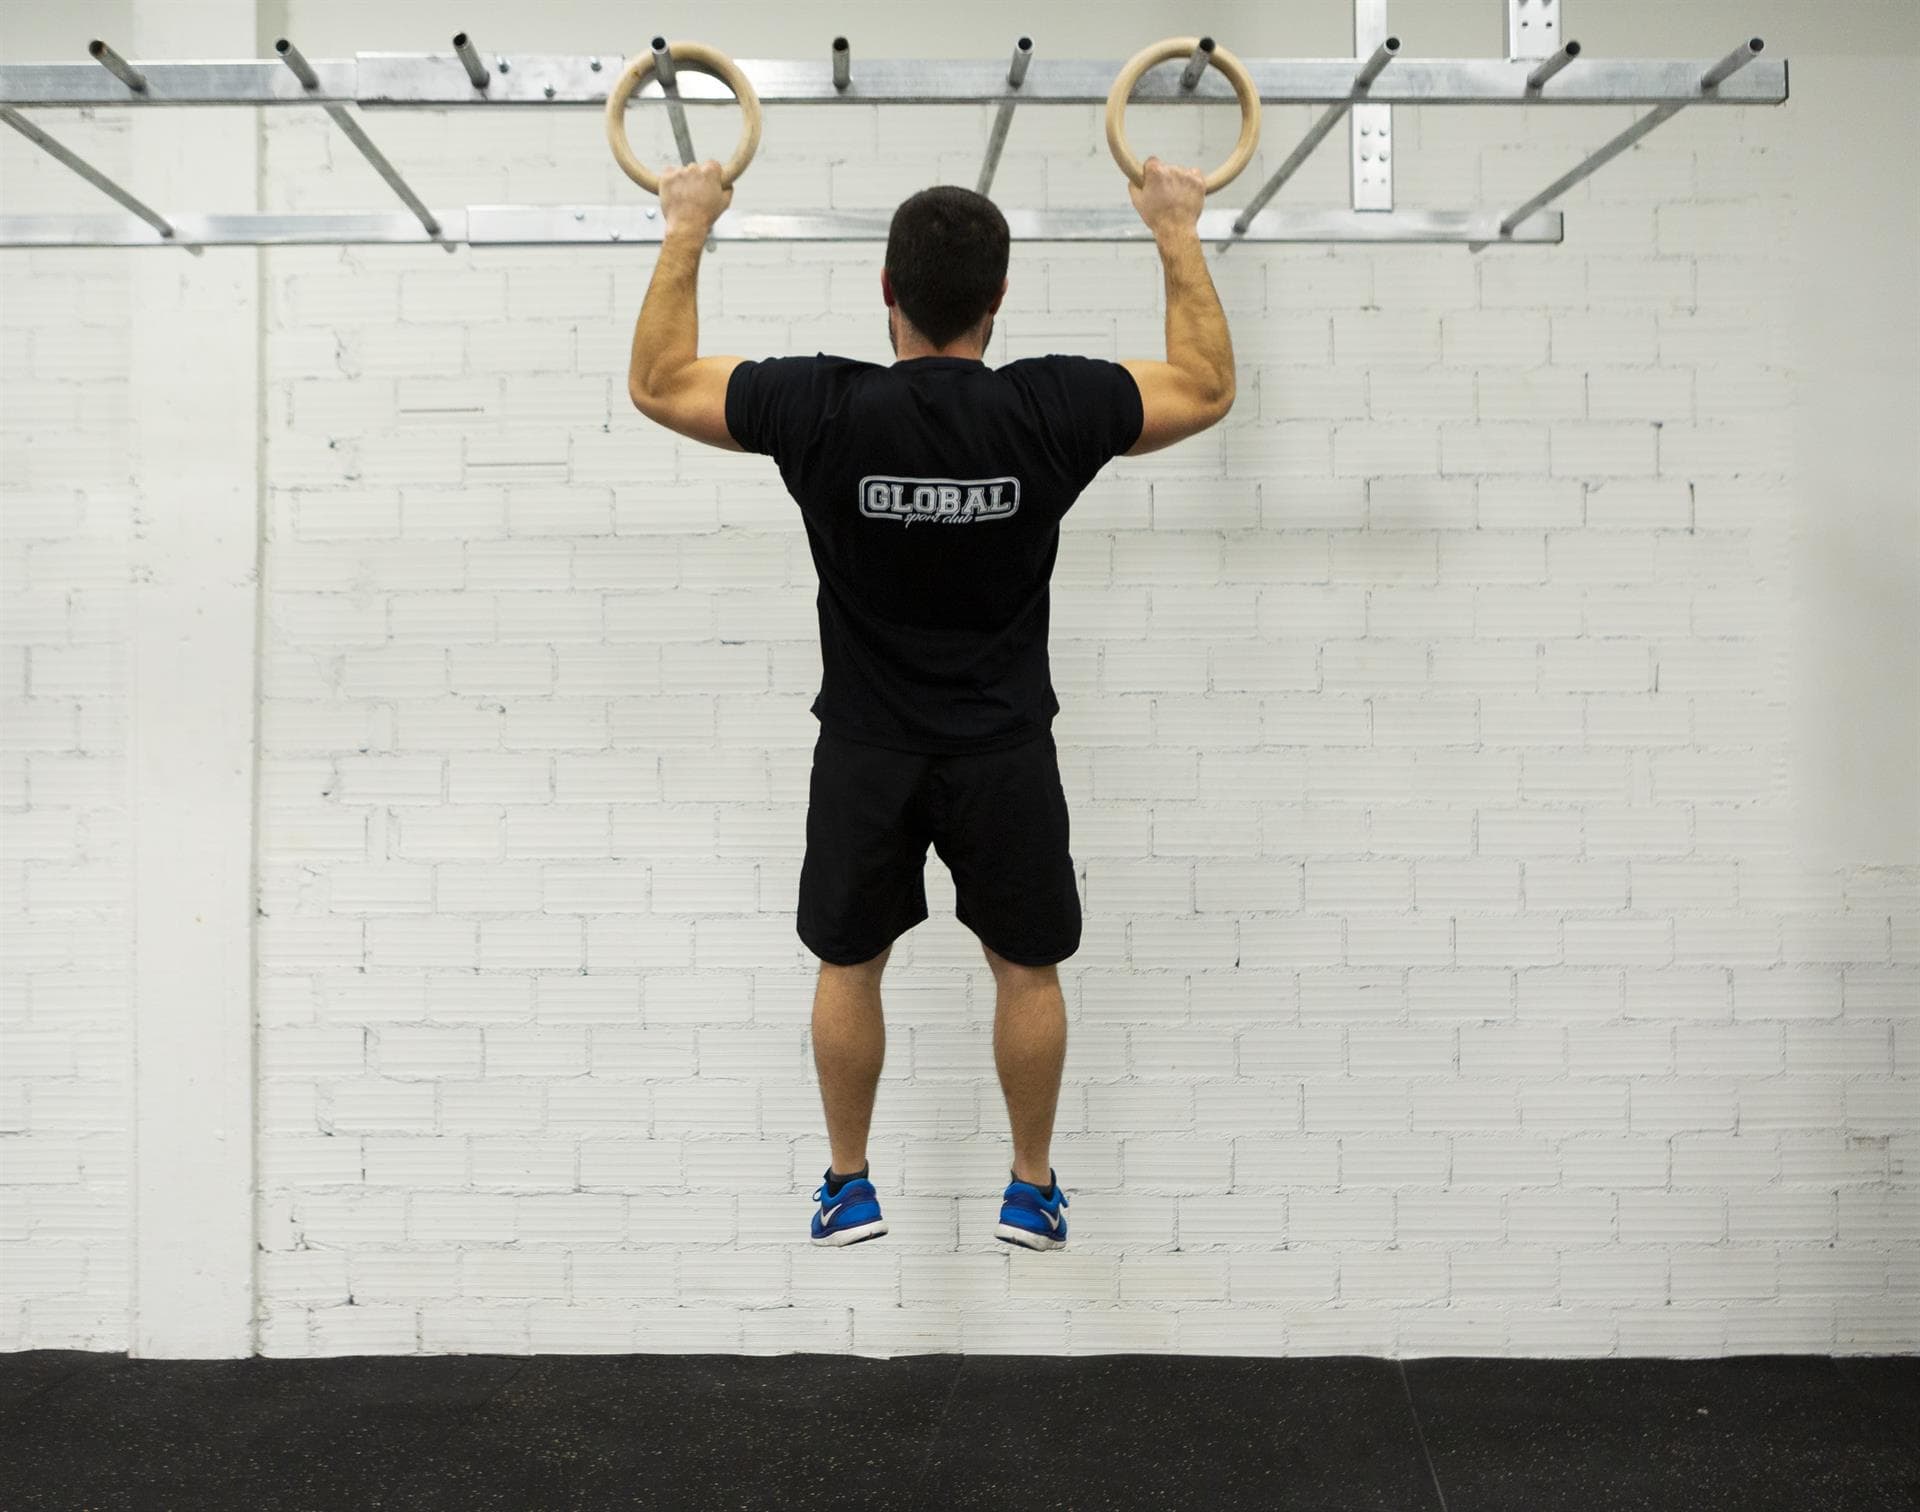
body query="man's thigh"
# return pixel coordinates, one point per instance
(1000, 824)
(862, 882)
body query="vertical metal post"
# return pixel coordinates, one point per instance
(1371, 134)
(1003, 118)
(118, 66)
(670, 87)
(842, 63)
(470, 60)
(1197, 64)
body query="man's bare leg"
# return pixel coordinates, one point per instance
(1029, 1051)
(849, 1048)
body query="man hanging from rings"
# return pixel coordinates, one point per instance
(932, 490)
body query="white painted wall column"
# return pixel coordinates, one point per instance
(195, 418)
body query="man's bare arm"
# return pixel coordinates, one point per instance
(1194, 387)
(667, 378)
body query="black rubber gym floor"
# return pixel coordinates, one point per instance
(84, 1432)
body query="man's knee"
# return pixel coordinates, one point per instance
(1012, 975)
(871, 967)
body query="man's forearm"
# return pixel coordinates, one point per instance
(1197, 339)
(666, 337)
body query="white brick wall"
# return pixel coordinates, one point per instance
(67, 502)
(1448, 984)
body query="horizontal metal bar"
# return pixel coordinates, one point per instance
(1421, 81)
(599, 225)
(403, 80)
(71, 159)
(1597, 160)
(330, 229)
(241, 82)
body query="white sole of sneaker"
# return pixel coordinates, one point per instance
(854, 1235)
(1026, 1238)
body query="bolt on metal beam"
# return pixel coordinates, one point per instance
(1003, 118)
(91, 174)
(842, 63)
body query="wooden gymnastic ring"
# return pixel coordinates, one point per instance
(1183, 47)
(703, 59)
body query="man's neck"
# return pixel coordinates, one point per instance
(972, 354)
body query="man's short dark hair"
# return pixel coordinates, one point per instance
(946, 256)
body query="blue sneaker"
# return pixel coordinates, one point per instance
(1027, 1218)
(849, 1216)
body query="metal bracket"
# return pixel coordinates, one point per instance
(1370, 136)
(1533, 28)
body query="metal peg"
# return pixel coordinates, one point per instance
(670, 87)
(1382, 56)
(294, 59)
(88, 172)
(356, 134)
(842, 63)
(118, 66)
(1739, 58)
(477, 73)
(1551, 66)
(1197, 64)
(1003, 117)
(1022, 56)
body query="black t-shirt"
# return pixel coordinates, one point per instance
(932, 492)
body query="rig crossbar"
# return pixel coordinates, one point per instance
(1544, 71)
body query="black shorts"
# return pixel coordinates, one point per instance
(997, 818)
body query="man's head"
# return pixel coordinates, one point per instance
(946, 268)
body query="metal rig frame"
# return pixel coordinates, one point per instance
(1540, 69)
